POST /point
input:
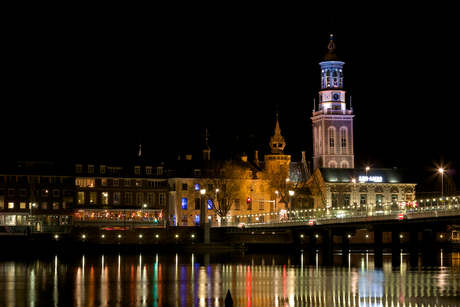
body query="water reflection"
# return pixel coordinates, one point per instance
(193, 279)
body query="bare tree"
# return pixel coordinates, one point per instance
(275, 178)
(224, 182)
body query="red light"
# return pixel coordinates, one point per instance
(249, 200)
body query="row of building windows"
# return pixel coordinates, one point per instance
(342, 147)
(34, 179)
(363, 199)
(149, 170)
(43, 192)
(91, 183)
(236, 205)
(106, 198)
(40, 205)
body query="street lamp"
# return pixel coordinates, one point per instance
(291, 193)
(203, 208)
(287, 203)
(142, 219)
(276, 192)
(442, 181)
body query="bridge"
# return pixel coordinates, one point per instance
(421, 221)
(433, 208)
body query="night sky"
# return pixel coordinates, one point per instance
(99, 84)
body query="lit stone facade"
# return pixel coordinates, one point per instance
(374, 191)
(332, 123)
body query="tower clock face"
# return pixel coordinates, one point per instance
(335, 97)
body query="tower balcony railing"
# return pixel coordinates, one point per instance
(333, 112)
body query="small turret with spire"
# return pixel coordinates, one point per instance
(277, 142)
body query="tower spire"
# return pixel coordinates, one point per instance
(207, 149)
(331, 55)
(277, 142)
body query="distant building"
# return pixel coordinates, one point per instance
(344, 191)
(119, 196)
(36, 194)
(335, 185)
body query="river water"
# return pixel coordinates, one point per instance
(203, 279)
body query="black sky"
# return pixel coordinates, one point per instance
(99, 82)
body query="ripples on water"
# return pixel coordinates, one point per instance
(202, 279)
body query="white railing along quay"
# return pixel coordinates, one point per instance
(420, 209)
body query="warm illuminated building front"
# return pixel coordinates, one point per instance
(111, 196)
(349, 191)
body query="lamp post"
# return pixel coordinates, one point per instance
(142, 220)
(287, 203)
(291, 193)
(275, 214)
(217, 211)
(203, 209)
(442, 181)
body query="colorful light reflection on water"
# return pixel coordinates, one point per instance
(189, 279)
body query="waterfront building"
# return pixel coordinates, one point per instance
(261, 188)
(120, 196)
(336, 186)
(344, 192)
(36, 194)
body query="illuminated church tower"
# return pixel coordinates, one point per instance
(332, 123)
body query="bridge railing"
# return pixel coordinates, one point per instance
(419, 209)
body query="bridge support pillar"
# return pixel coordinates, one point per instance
(428, 252)
(345, 249)
(327, 246)
(395, 248)
(378, 249)
(413, 245)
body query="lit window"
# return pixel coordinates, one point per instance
(184, 203)
(197, 187)
(105, 198)
(22, 206)
(93, 198)
(10, 205)
(56, 206)
(81, 198)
